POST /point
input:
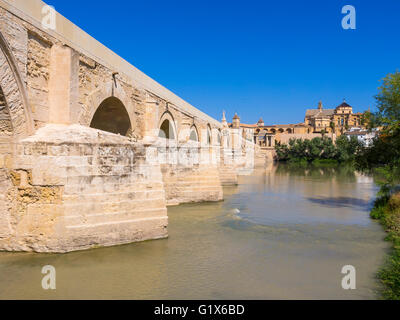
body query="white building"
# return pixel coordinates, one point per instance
(365, 136)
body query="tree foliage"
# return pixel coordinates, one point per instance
(319, 149)
(383, 156)
(388, 100)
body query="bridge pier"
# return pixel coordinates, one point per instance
(75, 188)
(190, 172)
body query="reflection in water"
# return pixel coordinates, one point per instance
(283, 233)
(320, 172)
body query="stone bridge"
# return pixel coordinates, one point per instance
(91, 149)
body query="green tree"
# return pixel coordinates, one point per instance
(388, 100)
(319, 149)
(384, 155)
(347, 148)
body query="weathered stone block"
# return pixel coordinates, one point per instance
(65, 203)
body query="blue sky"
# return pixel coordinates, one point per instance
(258, 58)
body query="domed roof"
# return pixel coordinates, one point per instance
(344, 105)
(261, 120)
(236, 117)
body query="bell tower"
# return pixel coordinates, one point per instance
(236, 121)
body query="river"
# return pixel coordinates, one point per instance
(284, 233)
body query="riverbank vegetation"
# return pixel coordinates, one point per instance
(322, 172)
(319, 150)
(387, 211)
(383, 159)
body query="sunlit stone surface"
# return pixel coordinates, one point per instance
(83, 140)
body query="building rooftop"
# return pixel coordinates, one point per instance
(344, 105)
(314, 113)
(356, 133)
(248, 125)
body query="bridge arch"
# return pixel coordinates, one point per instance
(101, 94)
(13, 90)
(167, 127)
(194, 134)
(112, 116)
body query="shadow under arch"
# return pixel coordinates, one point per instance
(112, 116)
(194, 134)
(166, 127)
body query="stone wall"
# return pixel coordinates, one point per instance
(73, 188)
(190, 172)
(5, 120)
(38, 73)
(264, 157)
(228, 174)
(17, 37)
(191, 184)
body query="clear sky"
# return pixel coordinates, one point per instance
(258, 58)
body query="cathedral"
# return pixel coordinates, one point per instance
(318, 122)
(337, 121)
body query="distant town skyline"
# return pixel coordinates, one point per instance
(318, 106)
(263, 59)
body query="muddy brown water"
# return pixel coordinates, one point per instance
(284, 233)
